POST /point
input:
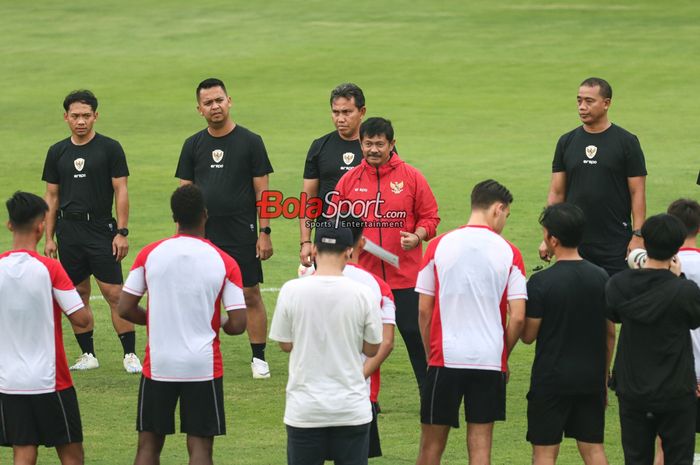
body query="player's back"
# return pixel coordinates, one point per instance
(474, 271)
(31, 346)
(328, 315)
(185, 277)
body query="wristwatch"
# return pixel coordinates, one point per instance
(637, 232)
(123, 231)
(267, 230)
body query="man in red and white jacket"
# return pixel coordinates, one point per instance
(399, 212)
(38, 403)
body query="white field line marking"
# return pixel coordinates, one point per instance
(264, 289)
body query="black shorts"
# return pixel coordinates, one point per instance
(50, 420)
(345, 445)
(201, 407)
(85, 248)
(237, 239)
(484, 393)
(375, 447)
(251, 268)
(581, 417)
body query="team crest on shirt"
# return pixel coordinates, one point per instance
(79, 164)
(348, 157)
(591, 150)
(396, 187)
(217, 155)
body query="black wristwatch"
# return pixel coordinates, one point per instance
(267, 230)
(123, 231)
(637, 232)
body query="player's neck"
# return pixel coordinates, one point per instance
(479, 218)
(24, 242)
(567, 254)
(82, 140)
(330, 265)
(690, 242)
(654, 264)
(599, 126)
(354, 136)
(195, 232)
(221, 130)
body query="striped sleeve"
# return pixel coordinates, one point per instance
(425, 284)
(517, 284)
(63, 291)
(232, 294)
(388, 306)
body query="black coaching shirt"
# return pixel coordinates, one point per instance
(597, 167)
(84, 174)
(329, 158)
(224, 168)
(569, 297)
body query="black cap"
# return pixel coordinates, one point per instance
(334, 236)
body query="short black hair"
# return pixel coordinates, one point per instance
(24, 208)
(605, 89)
(488, 192)
(663, 235)
(377, 126)
(349, 90)
(688, 211)
(187, 204)
(208, 84)
(565, 221)
(83, 96)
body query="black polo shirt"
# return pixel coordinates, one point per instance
(84, 173)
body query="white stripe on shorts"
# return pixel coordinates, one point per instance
(216, 406)
(432, 397)
(65, 417)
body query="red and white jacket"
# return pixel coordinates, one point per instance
(402, 188)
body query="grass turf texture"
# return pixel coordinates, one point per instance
(475, 89)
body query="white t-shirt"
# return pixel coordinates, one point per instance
(387, 308)
(690, 265)
(187, 279)
(473, 272)
(326, 318)
(34, 292)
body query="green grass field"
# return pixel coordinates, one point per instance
(475, 89)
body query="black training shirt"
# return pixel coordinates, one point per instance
(597, 167)
(84, 174)
(329, 158)
(569, 297)
(224, 168)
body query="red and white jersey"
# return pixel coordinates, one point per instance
(473, 272)
(690, 265)
(385, 299)
(34, 291)
(187, 278)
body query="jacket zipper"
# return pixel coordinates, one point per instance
(380, 229)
